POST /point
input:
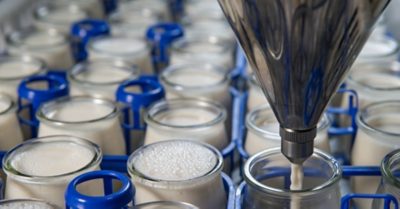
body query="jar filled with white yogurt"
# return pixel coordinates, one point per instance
(52, 47)
(201, 81)
(165, 205)
(378, 134)
(26, 204)
(216, 29)
(197, 120)
(263, 131)
(198, 49)
(205, 9)
(56, 17)
(178, 170)
(374, 83)
(131, 29)
(42, 168)
(269, 184)
(100, 78)
(144, 9)
(256, 96)
(10, 129)
(132, 50)
(13, 69)
(94, 8)
(384, 51)
(87, 117)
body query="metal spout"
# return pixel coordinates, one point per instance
(301, 51)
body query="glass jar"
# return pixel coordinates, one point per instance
(10, 129)
(267, 175)
(256, 96)
(378, 134)
(178, 170)
(201, 81)
(379, 51)
(165, 205)
(51, 47)
(87, 117)
(132, 28)
(42, 168)
(198, 49)
(374, 83)
(132, 50)
(94, 8)
(100, 78)
(26, 203)
(390, 183)
(145, 9)
(263, 131)
(13, 69)
(56, 17)
(205, 9)
(192, 119)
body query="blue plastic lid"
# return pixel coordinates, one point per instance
(162, 35)
(110, 6)
(56, 87)
(82, 32)
(111, 200)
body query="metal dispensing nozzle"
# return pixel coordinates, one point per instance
(297, 145)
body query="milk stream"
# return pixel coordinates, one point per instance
(296, 179)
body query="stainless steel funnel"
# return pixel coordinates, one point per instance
(301, 51)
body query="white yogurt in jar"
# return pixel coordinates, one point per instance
(57, 17)
(94, 8)
(26, 204)
(187, 119)
(378, 134)
(13, 69)
(51, 47)
(256, 96)
(178, 170)
(42, 168)
(382, 50)
(201, 81)
(10, 129)
(100, 78)
(165, 205)
(131, 50)
(144, 9)
(93, 119)
(195, 50)
(263, 131)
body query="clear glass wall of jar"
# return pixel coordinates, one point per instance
(197, 120)
(165, 205)
(22, 203)
(42, 168)
(87, 117)
(267, 175)
(131, 50)
(100, 78)
(10, 129)
(390, 183)
(52, 47)
(256, 96)
(263, 131)
(13, 69)
(178, 170)
(378, 134)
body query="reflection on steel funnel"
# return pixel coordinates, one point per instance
(301, 51)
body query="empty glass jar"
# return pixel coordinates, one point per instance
(87, 117)
(267, 175)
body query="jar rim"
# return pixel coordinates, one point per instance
(192, 67)
(160, 183)
(42, 114)
(41, 67)
(16, 39)
(179, 46)
(173, 104)
(363, 115)
(20, 176)
(323, 124)
(252, 181)
(111, 65)
(92, 42)
(394, 52)
(182, 205)
(10, 104)
(11, 201)
(41, 11)
(386, 170)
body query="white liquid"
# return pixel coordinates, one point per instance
(25, 205)
(185, 117)
(131, 50)
(296, 179)
(98, 81)
(54, 49)
(10, 129)
(14, 72)
(106, 133)
(146, 8)
(186, 166)
(49, 160)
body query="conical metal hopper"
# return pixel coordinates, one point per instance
(301, 51)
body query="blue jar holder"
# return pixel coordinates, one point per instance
(120, 199)
(30, 98)
(83, 31)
